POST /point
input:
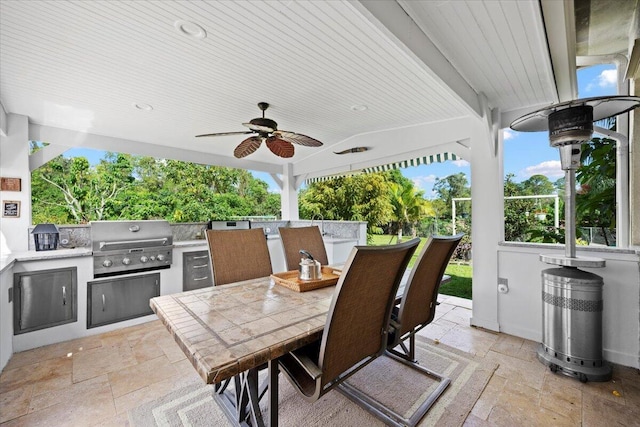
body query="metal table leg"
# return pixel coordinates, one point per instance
(241, 404)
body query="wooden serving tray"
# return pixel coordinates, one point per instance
(291, 279)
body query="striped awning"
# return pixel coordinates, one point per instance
(330, 177)
(425, 160)
(436, 158)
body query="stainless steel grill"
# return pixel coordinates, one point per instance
(229, 225)
(122, 247)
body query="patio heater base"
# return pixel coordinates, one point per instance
(582, 373)
(572, 307)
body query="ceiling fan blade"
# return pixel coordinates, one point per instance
(297, 138)
(258, 127)
(352, 150)
(226, 133)
(280, 147)
(247, 147)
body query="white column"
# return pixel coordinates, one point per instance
(487, 210)
(623, 220)
(634, 185)
(14, 163)
(289, 194)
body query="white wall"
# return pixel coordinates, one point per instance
(520, 310)
(6, 318)
(14, 163)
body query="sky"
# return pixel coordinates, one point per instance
(525, 153)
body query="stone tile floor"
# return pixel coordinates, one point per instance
(94, 381)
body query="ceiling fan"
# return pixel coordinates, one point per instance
(278, 141)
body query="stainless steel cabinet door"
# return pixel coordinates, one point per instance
(120, 299)
(44, 299)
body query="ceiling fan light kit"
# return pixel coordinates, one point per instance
(280, 142)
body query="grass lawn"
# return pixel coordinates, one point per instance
(460, 284)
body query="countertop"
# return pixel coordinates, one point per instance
(202, 242)
(7, 261)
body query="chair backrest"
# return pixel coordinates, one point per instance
(418, 305)
(238, 255)
(307, 238)
(361, 307)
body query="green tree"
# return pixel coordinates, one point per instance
(82, 192)
(409, 206)
(123, 186)
(363, 197)
(596, 199)
(537, 185)
(453, 186)
(518, 213)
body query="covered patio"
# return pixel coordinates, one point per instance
(407, 79)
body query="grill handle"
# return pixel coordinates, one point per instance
(128, 244)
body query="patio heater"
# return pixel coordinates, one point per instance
(572, 298)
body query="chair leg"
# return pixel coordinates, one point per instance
(387, 415)
(412, 348)
(408, 353)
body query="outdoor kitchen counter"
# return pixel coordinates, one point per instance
(189, 243)
(8, 260)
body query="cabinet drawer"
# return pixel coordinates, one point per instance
(196, 272)
(44, 299)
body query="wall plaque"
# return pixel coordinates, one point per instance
(10, 184)
(11, 209)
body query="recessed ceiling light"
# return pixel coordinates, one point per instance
(143, 107)
(190, 29)
(358, 107)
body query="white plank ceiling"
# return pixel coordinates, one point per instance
(84, 65)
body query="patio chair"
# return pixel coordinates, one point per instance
(238, 255)
(417, 306)
(355, 332)
(308, 238)
(412, 312)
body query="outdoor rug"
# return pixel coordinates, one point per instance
(390, 382)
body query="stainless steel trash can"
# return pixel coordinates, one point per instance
(572, 324)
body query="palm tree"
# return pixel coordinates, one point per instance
(409, 206)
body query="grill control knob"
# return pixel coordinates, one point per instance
(107, 263)
(152, 257)
(143, 259)
(126, 261)
(160, 257)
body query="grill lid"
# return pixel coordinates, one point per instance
(125, 235)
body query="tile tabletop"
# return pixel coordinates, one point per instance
(225, 330)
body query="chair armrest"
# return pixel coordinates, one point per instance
(307, 364)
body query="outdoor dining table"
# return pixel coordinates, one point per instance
(228, 332)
